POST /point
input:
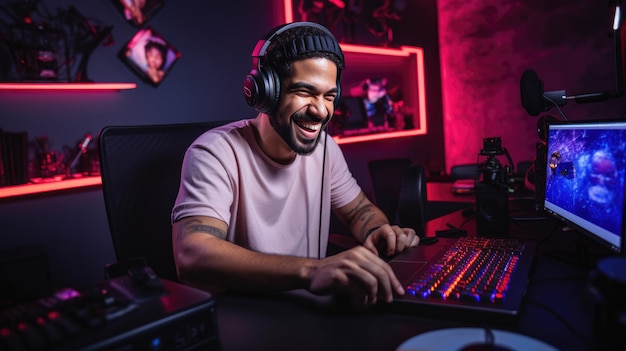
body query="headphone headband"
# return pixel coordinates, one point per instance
(299, 46)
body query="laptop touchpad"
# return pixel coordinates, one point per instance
(419, 254)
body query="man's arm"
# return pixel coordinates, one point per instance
(370, 226)
(204, 259)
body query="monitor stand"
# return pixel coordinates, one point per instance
(583, 254)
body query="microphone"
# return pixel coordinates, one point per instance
(591, 97)
(531, 89)
(82, 149)
(535, 100)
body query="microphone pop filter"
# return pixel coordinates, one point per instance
(531, 89)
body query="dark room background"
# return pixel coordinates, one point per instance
(475, 52)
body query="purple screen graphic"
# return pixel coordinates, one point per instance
(585, 176)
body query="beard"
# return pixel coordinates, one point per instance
(296, 141)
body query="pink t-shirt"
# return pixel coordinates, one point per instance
(269, 207)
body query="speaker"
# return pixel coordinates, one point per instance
(261, 87)
(492, 210)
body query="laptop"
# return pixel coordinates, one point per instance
(414, 264)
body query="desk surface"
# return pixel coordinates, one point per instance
(442, 192)
(556, 310)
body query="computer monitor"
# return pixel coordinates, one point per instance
(585, 173)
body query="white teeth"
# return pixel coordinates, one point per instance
(314, 127)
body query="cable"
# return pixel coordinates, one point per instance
(557, 107)
(319, 230)
(563, 321)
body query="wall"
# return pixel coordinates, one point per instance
(72, 228)
(215, 39)
(485, 47)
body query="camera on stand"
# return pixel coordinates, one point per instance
(492, 190)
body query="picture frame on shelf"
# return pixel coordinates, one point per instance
(138, 12)
(150, 55)
(371, 106)
(399, 110)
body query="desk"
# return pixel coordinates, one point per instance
(300, 321)
(441, 200)
(441, 192)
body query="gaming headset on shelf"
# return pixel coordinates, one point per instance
(261, 87)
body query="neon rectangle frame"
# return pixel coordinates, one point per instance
(374, 53)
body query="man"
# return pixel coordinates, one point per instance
(253, 211)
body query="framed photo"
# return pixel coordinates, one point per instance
(138, 12)
(150, 55)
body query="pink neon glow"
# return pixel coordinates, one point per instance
(288, 11)
(28, 189)
(421, 89)
(385, 135)
(67, 86)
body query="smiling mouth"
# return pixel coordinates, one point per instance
(310, 126)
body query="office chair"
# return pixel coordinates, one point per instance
(140, 168)
(413, 199)
(386, 176)
(413, 208)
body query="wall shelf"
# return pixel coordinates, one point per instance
(14, 191)
(404, 68)
(66, 86)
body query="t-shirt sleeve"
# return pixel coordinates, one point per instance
(344, 187)
(206, 188)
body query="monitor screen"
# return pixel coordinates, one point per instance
(585, 173)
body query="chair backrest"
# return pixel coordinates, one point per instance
(140, 168)
(386, 176)
(413, 199)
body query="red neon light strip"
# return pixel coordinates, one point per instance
(373, 50)
(382, 135)
(421, 85)
(288, 11)
(67, 86)
(28, 189)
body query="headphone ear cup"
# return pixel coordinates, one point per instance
(262, 89)
(251, 88)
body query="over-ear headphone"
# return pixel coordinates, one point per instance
(261, 87)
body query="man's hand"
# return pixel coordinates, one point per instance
(357, 272)
(396, 239)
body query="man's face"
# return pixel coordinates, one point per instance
(306, 103)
